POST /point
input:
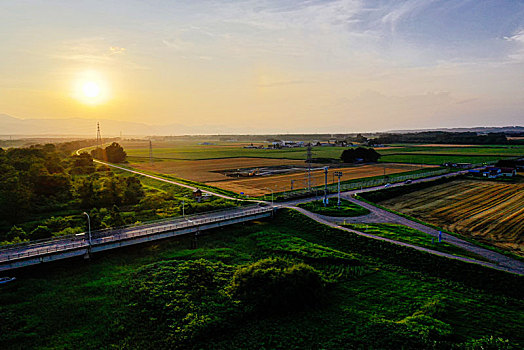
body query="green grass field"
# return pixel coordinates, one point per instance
(402, 153)
(416, 158)
(346, 209)
(409, 235)
(397, 298)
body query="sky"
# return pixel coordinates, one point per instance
(266, 66)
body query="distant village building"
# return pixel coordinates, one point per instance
(197, 194)
(492, 172)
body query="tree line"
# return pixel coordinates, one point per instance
(45, 179)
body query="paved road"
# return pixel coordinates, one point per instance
(329, 222)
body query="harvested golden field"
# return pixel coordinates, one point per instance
(258, 185)
(212, 172)
(212, 169)
(492, 212)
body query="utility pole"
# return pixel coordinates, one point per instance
(338, 174)
(150, 152)
(98, 152)
(98, 136)
(309, 157)
(325, 185)
(88, 232)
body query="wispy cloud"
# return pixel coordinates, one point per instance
(517, 39)
(116, 50)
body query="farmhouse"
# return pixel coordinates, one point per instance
(508, 172)
(495, 172)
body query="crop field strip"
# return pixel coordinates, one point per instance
(211, 172)
(490, 211)
(259, 185)
(212, 169)
(138, 151)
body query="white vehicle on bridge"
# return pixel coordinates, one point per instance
(4, 280)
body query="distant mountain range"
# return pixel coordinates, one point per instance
(479, 129)
(80, 127)
(11, 126)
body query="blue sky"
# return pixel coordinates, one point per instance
(268, 66)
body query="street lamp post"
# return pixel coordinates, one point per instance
(338, 174)
(88, 228)
(267, 188)
(325, 185)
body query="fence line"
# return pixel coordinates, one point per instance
(332, 188)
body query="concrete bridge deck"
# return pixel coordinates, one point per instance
(71, 246)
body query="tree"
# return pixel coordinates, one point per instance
(360, 138)
(359, 154)
(116, 217)
(86, 193)
(134, 191)
(15, 195)
(275, 284)
(83, 164)
(115, 153)
(41, 232)
(14, 233)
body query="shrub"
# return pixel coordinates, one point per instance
(41, 232)
(14, 233)
(173, 303)
(275, 284)
(488, 343)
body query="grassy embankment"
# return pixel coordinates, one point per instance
(407, 234)
(346, 208)
(376, 295)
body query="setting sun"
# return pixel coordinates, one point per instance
(91, 89)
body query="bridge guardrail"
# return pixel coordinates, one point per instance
(121, 234)
(108, 231)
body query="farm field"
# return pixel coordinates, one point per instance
(212, 169)
(436, 159)
(195, 151)
(208, 172)
(490, 212)
(426, 154)
(259, 185)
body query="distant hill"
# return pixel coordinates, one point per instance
(479, 129)
(11, 126)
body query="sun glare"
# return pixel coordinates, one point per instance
(91, 88)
